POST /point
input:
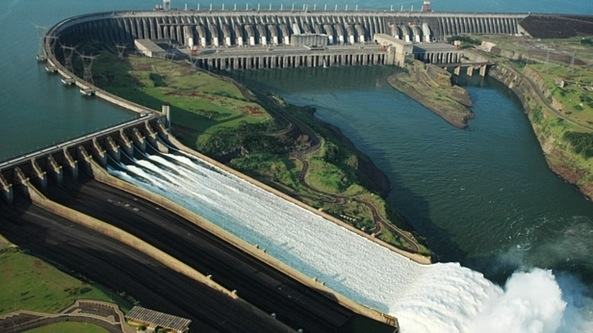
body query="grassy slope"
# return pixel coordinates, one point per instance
(69, 327)
(199, 101)
(574, 102)
(217, 117)
(31, 284)
(553, 130)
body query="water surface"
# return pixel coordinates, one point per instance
(36, 111)
(482, 196)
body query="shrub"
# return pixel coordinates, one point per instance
(587, 41)
(464, 40)
(582, 143)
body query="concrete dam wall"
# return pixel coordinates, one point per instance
(243, 29)
(69, 157)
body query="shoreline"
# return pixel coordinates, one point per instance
(432, 87)
(377, 176)
(555, 158)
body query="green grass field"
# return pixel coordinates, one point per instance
(29, 283)
(69, 327)
(4, 243)
(276, 168)
(576, 97)
(199, 101)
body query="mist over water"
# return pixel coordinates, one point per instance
(483, 196)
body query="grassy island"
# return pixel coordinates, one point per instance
(284, 146)
(431, 86)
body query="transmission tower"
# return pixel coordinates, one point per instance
(68, 52)
(121, 50)
(170, 53)
(87, 65)
(194, 63)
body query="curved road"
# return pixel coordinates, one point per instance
(377, 219)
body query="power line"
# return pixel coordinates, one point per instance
(87, 64)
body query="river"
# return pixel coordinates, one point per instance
(482, 196)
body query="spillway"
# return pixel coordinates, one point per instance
(443, 297)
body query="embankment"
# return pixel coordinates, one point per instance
(137, 244)
(548, 125)
(431, 86)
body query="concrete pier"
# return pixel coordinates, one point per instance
(113, 149)
(126, 144)
(70, 163)
(56, 169)
(6, 190)
(39, 175)
(98, 152)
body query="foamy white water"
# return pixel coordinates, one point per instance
(424, 298)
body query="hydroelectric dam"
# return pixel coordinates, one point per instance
(249, 39)
(134, 210)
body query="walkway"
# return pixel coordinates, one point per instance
(103, 314)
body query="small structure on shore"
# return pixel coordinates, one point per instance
(155, 319)
(149, 48)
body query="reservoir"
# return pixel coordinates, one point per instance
(34, 101)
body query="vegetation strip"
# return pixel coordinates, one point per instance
(263, 137)
(556, 90)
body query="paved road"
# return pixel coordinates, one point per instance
(377, 219)
(256, 282)
(280, 51)
(120, 268)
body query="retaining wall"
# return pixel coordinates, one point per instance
(132, 241)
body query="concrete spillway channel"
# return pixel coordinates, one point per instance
(263, 297)
(261, 285)
(110, 263)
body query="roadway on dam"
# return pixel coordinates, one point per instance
(258, 283)
(120, 268)
(279, 51)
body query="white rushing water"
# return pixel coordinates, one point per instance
(424, 298)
